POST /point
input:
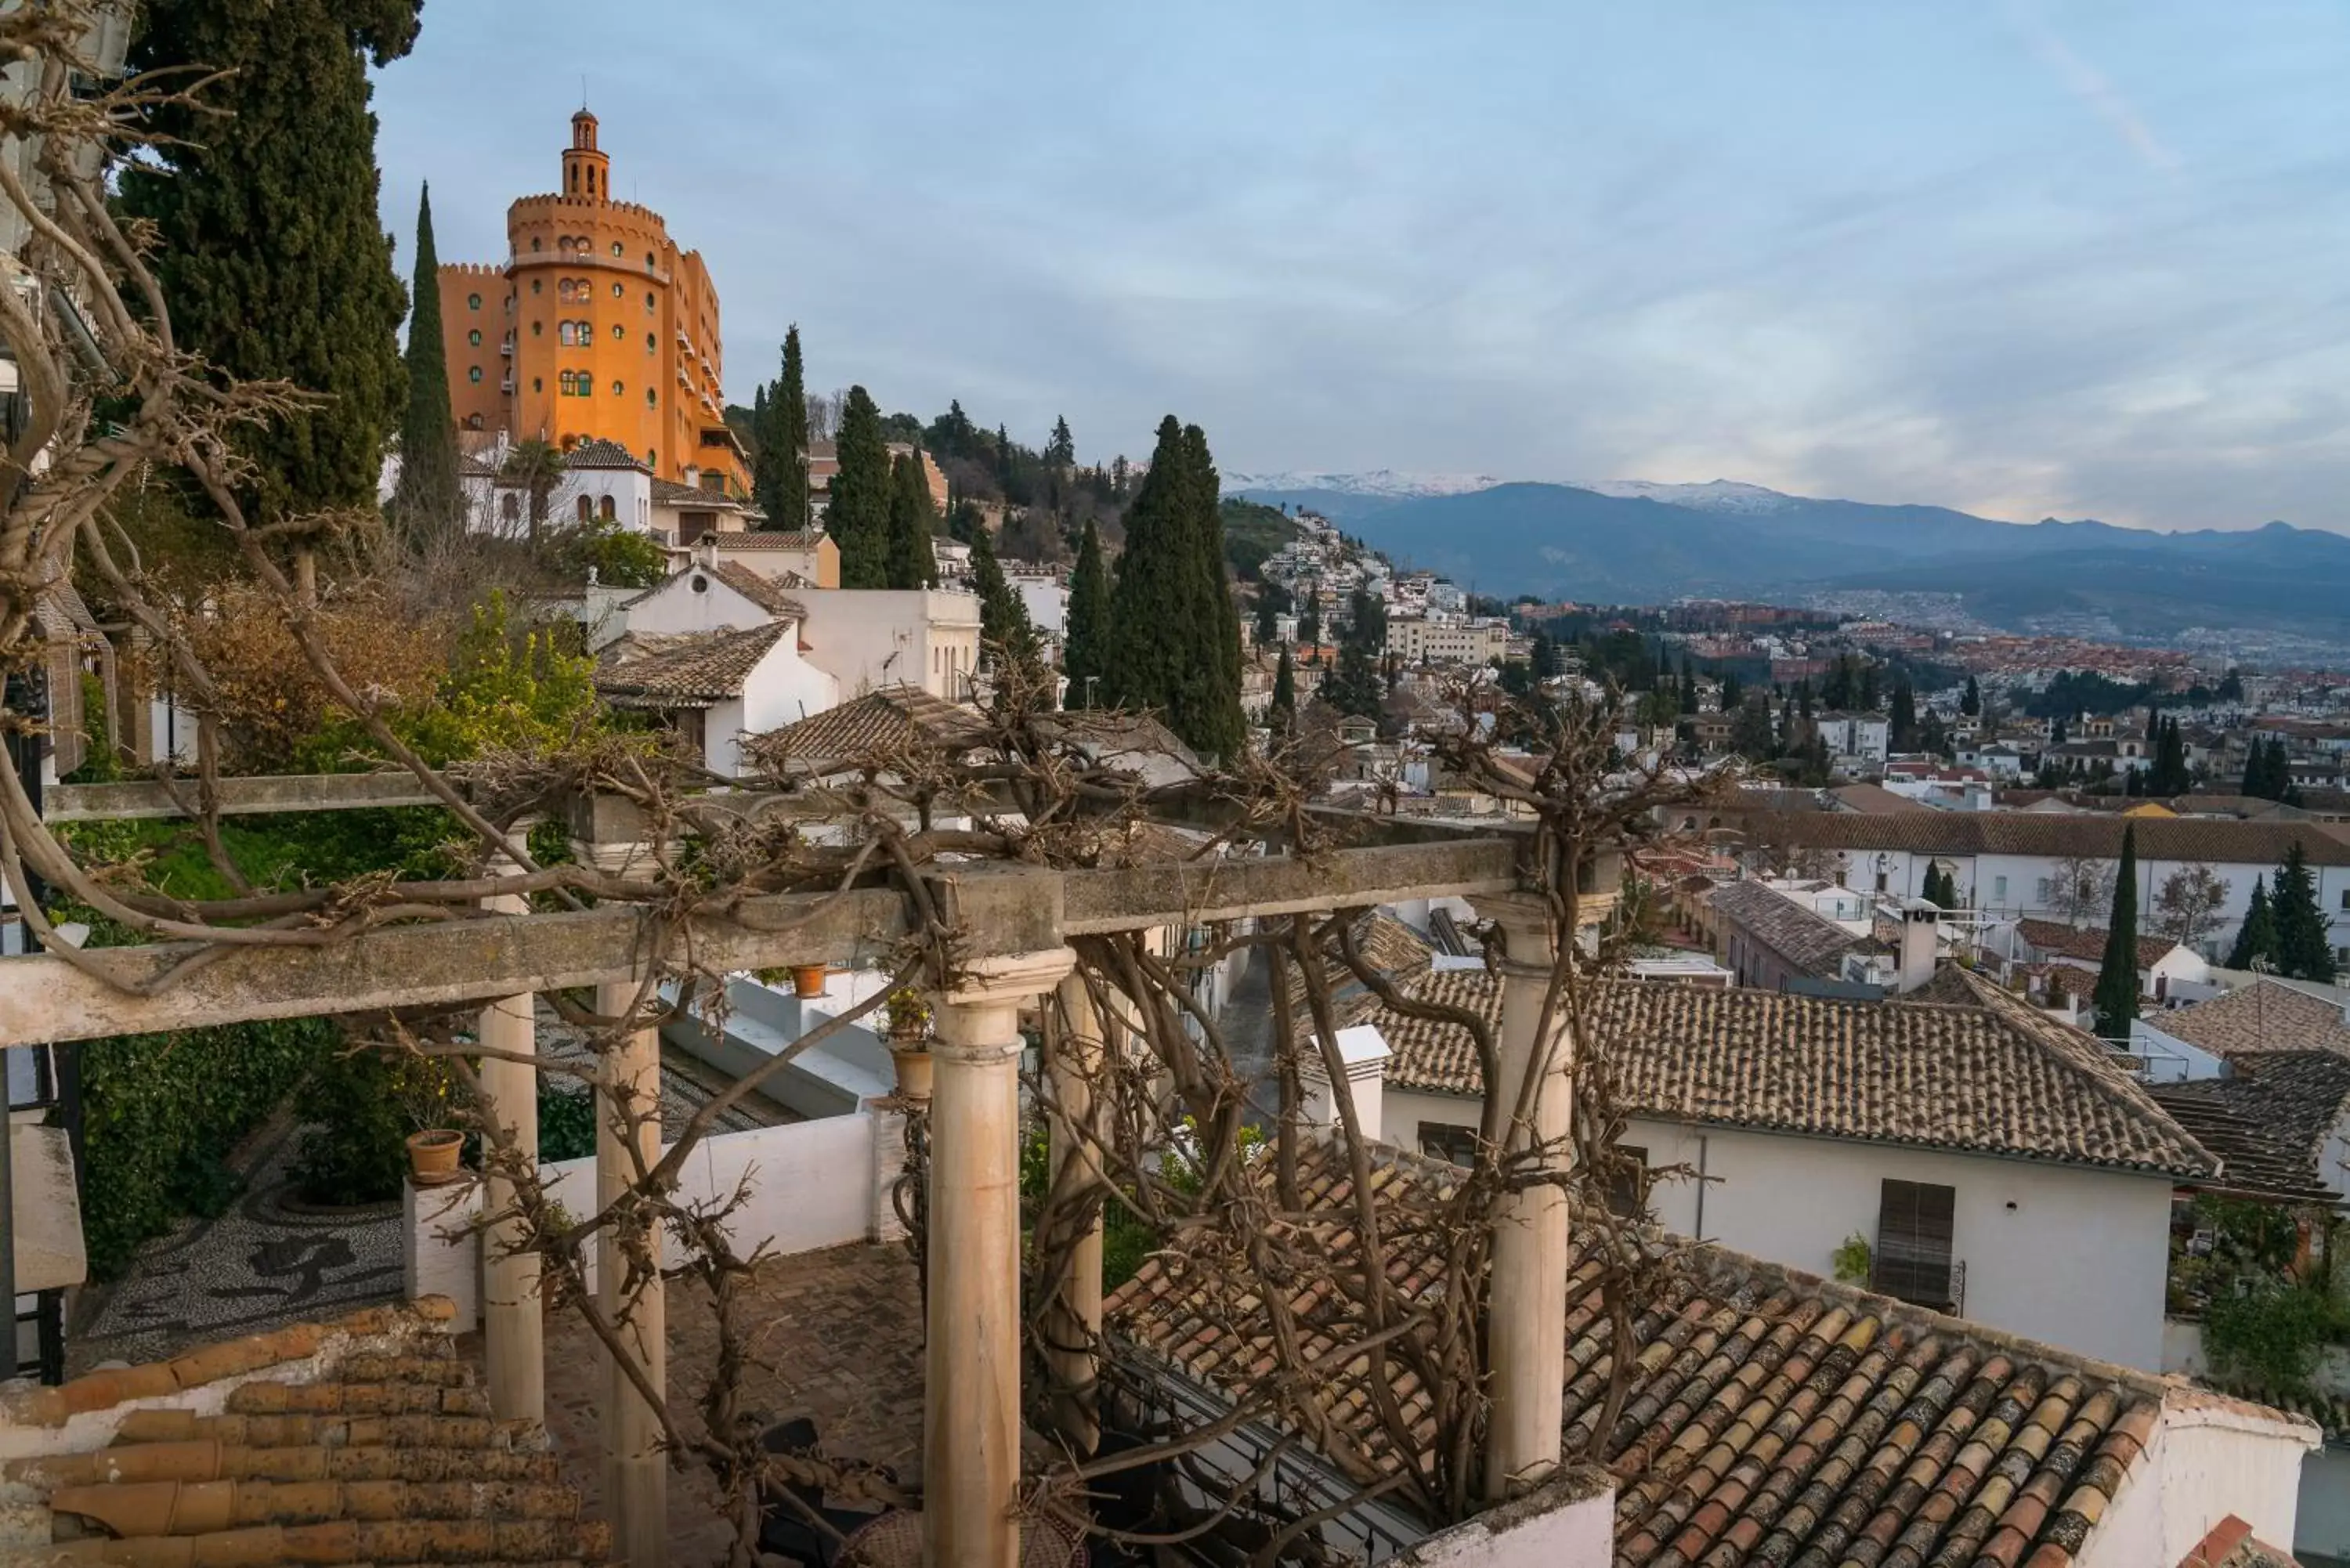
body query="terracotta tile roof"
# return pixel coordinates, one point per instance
(600, 452)
(2057, 939)
(2265, 1016)
(1993, 1076)
(2215, 840)
(1386, 943)
(684, 670)
(889, 722)
(2270, 1122)
(362, 1440)
(768, 539)
(766, 592)
(1807, 939)
(1874, 800)
(1769, 1417)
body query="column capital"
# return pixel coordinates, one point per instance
(1526, 920)
(1009, 978)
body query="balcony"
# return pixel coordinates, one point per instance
(507, 386)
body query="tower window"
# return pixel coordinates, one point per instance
(650, 262)
(619, 291)
(562, 245)
(474, 375)
(474, 338)
(539, 329)
(537, 284)
(617, 389)
(473, 302)
(536, 243)
(563, 334)
(591, 182)
(652, 397)
(620, 333)
(616, 250)
(652, 342)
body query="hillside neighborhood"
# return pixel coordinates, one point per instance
(599, 973)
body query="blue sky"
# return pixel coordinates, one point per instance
(2019, 256)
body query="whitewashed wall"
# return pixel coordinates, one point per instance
(2072, 1256)
(2205, 1462)
(814, 1184)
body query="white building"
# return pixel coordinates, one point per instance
(1419, 639)
(870, 637)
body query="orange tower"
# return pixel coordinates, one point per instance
(595, 326)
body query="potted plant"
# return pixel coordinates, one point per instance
(432, 1155)
(808, 978)
(908, 1025)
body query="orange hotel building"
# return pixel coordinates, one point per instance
(595, 326)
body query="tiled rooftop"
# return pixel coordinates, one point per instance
(364, 1441)
(1992, 1077)
(765, 591)
(2215, 840)
(2088, 944)
(1806, 939)
(684, 670)
(2260, 1018)
(2270, 1121)
(1770, 1417)
(891, 722)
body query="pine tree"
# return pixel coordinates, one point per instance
(2116, 998)
(428, 501)
(2256, 938)
(911, 562)
(1086, 645)
(1971, 704)
(2303, 949)
(1061, 451)
(779, 481)
(1285, 695)
(270, 250)
(1175, 640)
(857, 516)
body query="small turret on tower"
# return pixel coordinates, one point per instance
(587, 172)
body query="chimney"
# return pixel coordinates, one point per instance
(1922, 943)
(1364, 1052)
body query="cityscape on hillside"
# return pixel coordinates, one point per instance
(651, 914)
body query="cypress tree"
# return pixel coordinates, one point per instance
(429, 500)
(911, 562)
(2302, 952)
(782, 481)
(1005, 630)
(1223, 724)
(857, 516)
(270, 251)
(1175, 638)
(1086, 646)
(1903, 725)
(2257, 937)
(1971, 704)
(1285, 695)
(2116, 998)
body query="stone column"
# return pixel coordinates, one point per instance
(1526, 1312)
(1074, 1327)
(513, 1342)
(970, 1439)
(636, 1471)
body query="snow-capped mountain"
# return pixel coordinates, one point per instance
(1715, 495)
(1379, 482)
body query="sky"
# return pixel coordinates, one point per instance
(2023, 258)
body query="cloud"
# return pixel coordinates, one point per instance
(2091, 86)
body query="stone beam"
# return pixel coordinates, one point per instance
(1003, 909)
(253, 796)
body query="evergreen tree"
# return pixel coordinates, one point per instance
(428, 501)
(1061, 451)
(1867, 689)
(1175, 638)
(1971, 705)
(2302, 951)
(270, 252)
(1309, 619)
(1005, 634)
(1086, 645)
(1732, 695)
(779, 482)
(857, 516)
(2256, 775)
(2256, 938)
(2116, 998)
(1285, 695)
(1903, 728)
(911, 562)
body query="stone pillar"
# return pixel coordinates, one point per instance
(1074, 1327)
(513, 1332)
(1526, 1312)
(970, 1439)
(636, 1470)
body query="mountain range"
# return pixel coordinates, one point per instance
(1634, 541)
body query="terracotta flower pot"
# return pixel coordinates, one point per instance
(912, 1060)
(808, 978)
(432, 1155)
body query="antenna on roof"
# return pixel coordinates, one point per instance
(583, 92)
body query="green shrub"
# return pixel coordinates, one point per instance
(566, 1120)
(362, 1105)
(161, 1112)
(2269, 1333)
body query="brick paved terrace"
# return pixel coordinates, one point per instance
(837, 1337)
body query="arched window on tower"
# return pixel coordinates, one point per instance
(587, 510)
(605, 509)
(563, 333)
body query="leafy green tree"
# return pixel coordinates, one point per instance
(1085, 648)
(428, 501)
(857, 516)
(269, 248)
(1175, 641)
(1285, 695)
(911, 564)
(2302, 951)
(619, 556)
(2116, 998)
(779, 481)
(2256, 938)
